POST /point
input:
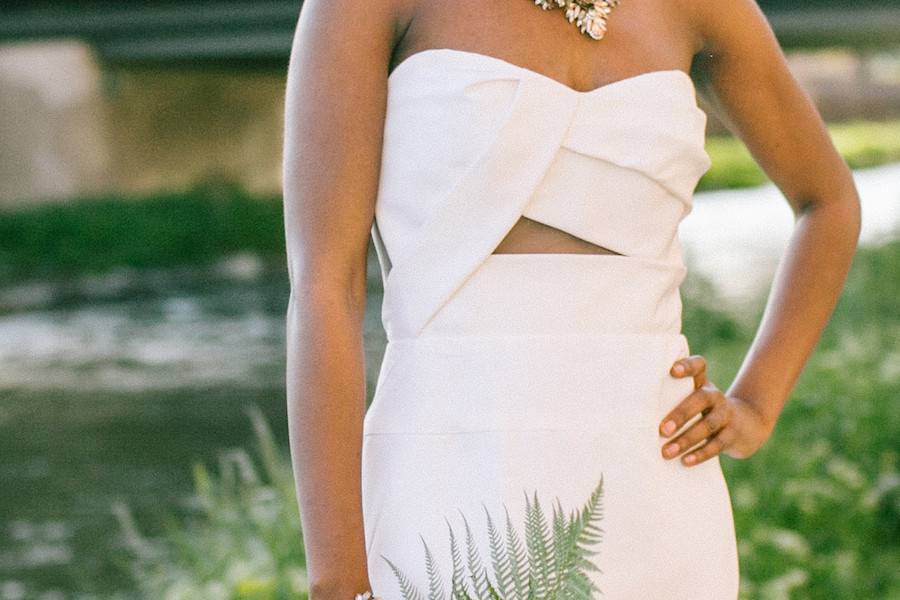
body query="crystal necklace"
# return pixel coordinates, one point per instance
(588, 15)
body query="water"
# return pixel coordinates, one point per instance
(112, 401)
(735, 237)
(112, 392)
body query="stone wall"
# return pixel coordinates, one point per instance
(69, 127)
(174, 126)
(54, 130)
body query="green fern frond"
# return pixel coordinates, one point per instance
(577, 587)
(538, 542)
(589, 532)
(409, 591)
(435, 584)
(474, 563)
(491, 590)
(552, 564)
(499, 559)
(583, 530)
(517, 559)
(458, 588)
(560, 543)
(568, 556)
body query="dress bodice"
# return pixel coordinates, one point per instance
(473, 142)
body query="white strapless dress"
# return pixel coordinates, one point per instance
(538, 374)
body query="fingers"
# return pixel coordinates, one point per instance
(697, 401)
(713, 446)
(693, 366)
(710, 429)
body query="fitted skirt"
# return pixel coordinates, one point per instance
(541, 376)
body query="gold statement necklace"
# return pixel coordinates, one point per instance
(589, 16)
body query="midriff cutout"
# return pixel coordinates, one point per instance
(533, 237)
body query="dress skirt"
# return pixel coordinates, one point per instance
(542, 374)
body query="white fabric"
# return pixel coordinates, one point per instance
(538, 373)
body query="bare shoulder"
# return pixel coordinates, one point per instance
(341, 49)
(333, 123)
(744, 77)
(351, 34)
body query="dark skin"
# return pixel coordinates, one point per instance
(334, 115)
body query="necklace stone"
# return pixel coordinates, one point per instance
(589, 16)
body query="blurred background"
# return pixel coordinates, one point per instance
(143, 288)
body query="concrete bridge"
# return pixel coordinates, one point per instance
(258, 31)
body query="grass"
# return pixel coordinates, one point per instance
(817, 509)
(244, 541)
(95, 235)
(862, 144)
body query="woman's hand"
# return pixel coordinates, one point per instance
(726, 424)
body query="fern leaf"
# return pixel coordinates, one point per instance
(409, 591)
(458, 588)
(517, 560)
(560, 545)
(435, 584)
(474, 563)
(537, 539)
(591, 513)
(491, 590)
(577, 587)
(551, 565)
(566, 551)
(582, 531)
(499, 558)
(548, 559)
(529, 542)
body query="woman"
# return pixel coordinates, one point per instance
(523, 179)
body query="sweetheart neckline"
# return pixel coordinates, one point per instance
(497, 60)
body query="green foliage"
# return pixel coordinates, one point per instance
(817, 509)
(861, 143)
(871, 295)
(552, 564)
(732, 165)
(704, 319)
(94, 235)
(245, 542)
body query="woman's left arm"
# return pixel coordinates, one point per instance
(746, 81)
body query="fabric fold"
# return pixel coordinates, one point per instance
(629, 136)
(479, 210)
(603, 166)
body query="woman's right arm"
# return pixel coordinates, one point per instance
(334, 117)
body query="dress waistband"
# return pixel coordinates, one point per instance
(525, 294)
